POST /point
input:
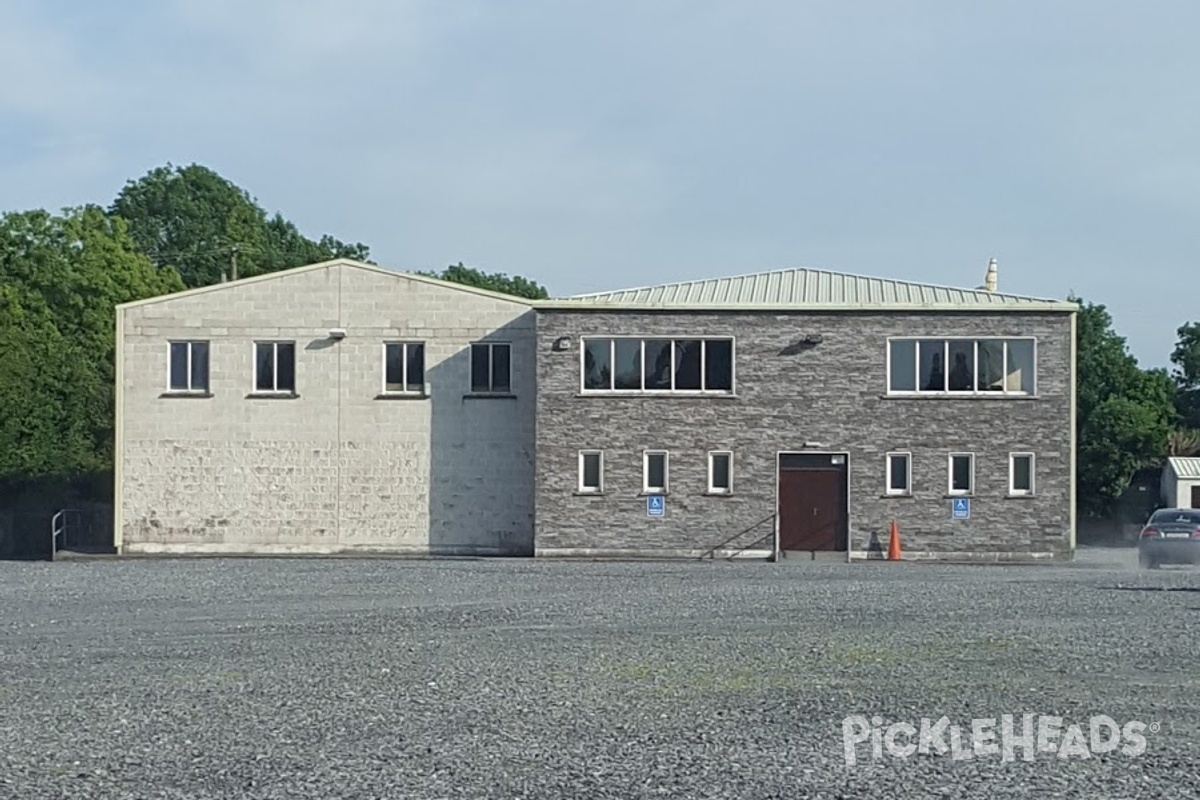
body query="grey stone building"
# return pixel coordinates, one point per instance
(345, 407)
(804, 411)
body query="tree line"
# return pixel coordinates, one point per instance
(181, 227)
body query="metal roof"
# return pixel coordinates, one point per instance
(1186, 468)
(809, 289)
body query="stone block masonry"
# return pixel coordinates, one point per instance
(336, 467)
(832, 394)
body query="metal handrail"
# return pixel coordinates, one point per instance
(58, 527)
(744, 548)
(712, 551)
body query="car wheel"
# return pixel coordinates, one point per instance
(1146, 562)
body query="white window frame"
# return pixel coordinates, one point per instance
(950, 475)
(646, 487)
(704, 339)
(404, 344)
(579, 483)
(190, 388)
(712, 488)
(491, 346)
(1013, 491)
(254, 371)
(946, 339)
(887, 462)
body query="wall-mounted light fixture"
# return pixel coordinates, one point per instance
(337, 333)
(814, 338)
(562, 343)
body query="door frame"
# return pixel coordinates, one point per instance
(808, 451)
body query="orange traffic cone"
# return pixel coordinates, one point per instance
(894, 543)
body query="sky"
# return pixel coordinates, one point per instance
(594, 146)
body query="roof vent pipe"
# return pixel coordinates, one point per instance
(990, 281)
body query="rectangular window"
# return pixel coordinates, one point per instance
(899, 473)
(275, 367)
(657, 365)
(591, 471)
(720, 472)
(404, 368)
(654, 471)
(961, 366)
(962, 473)
(188, 367)
(1020, 473)
(491, 368)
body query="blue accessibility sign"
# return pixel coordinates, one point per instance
(656, 506)
(960, 507)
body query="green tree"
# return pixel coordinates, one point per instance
(202, 224)
(1186, 358)
(62, 277)
(1124, 413)
(495, 282)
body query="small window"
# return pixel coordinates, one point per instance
(275, 367)
(188, 368)
(404, 368)
(1020, 473)
(962, 473)
(591, 471)
(720, 472)
(899, 473)
(654, 472)
(491, 368)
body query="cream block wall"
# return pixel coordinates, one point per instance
(336, 468)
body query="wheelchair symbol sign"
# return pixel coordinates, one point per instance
(656, 506)
(961, 508)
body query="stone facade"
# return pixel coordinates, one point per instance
(338, 467)
(833, 394)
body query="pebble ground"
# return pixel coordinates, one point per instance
(389, 678)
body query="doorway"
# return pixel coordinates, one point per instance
(813, 502)
(1196, 497)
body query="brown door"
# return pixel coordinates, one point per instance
(812, 503)
(1196, 497)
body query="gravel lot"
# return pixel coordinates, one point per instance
(344, 678)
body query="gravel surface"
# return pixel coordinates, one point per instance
(346, 678)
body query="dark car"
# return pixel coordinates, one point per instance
(1171, 536)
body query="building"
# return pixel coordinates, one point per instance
(333, 407)
(1181, 483)
(341, 407)
(804, 410)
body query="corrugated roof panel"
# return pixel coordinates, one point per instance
(808, 288)
(1186, 468)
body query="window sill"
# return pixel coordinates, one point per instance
(957, 396)
(197, 395)
(578, 493)
(272, 396)
(402, 396)
(659, 395)
(1027, 496)
(968, 496)
(711, 493)
(653, 493)
(489, 396)
(897, 496)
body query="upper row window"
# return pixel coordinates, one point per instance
(658, 365)
(275, 367)
(962, 366)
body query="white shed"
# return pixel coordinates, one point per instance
(1181, 483)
